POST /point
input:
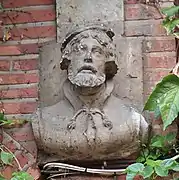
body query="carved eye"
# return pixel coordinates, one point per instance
(76, 48)
(82, 47)
(98, 51)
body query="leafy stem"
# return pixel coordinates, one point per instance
(4, 147)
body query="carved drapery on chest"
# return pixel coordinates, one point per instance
(94, 132)
(89, 121)
(89, 108)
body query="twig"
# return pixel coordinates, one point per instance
(19, 166)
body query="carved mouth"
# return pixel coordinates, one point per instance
(87, 69)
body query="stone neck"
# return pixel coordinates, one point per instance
(89, 91)
(95, 99)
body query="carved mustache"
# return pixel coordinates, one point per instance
(87, 67)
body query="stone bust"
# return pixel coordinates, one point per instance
(90, 122)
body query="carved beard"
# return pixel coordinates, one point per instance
(85, 79)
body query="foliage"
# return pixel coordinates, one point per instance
(171, 21)
(165, 99)
(154, 159)
(7, 157)
(159, 157)
(4, 120)
(21, 176)
(152, 168)
(150, 163)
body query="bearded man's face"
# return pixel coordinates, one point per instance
(87, 64)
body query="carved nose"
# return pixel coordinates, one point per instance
(88, 60)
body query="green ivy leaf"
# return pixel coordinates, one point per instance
(153, 156)
(167, 24)
(2, 117)
(150, 162)
(176, 167)
(171, 25)
(153, 163)
(170, 11)
(168, 163)
(2, 178)
(130, 176)
(147, 172)
(21, 176)
(176, 34)
(157, 113)
(6, 157)
(166, 97)
(6, 122)
(170, 137)
(161, 171)
(140, 159)
(157, 141)
(135, 168)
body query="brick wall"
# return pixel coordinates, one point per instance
(159, 55)
(26, 25)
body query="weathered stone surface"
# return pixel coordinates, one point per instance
(78, 13)
(89, 121)
(128, 52)
(86, 112)
(144, 28)
(51, 76)
(130, 73)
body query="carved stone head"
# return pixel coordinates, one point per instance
(89, 57)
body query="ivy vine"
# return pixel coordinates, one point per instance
(7, 157)
(159, 157)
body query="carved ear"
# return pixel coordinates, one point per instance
(110, 69)
(110, 33)
(64, 63)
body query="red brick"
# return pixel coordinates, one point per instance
(7, 172)
(23, 160)
(27, 64)
(6, 79)
(160, 60)
(149, 87)
(31, 147)
(18, 49)
(11, 146)
(32, 32)
(156, 45)
(20, 3)
(153, 75)
(4, 65)
(31, 92)
(20, 107)
(34, 172)
(141, 11)
(144, 28)
(27, 16)
(9, 50)
(22, 134)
